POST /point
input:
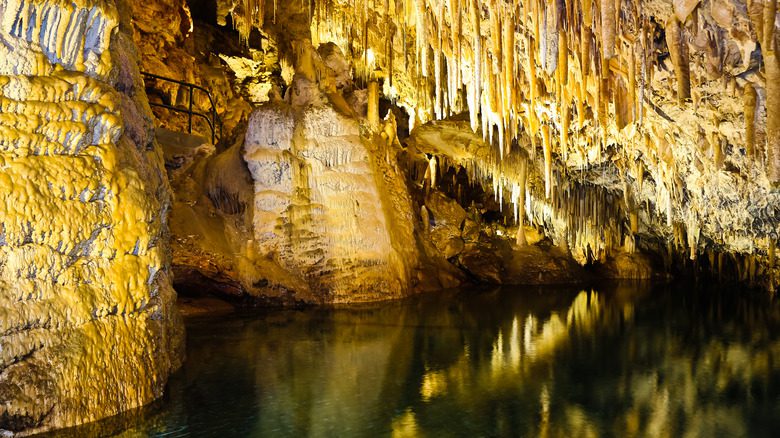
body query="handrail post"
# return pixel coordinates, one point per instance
(214, 123)
(190, 113)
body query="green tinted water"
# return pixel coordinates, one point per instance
(618, 361)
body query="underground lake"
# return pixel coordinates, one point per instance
(617, 359)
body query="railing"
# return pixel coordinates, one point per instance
(212, 118)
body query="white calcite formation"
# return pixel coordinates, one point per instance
(322, 208)
(87, 324)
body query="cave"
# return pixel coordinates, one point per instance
(389, 218)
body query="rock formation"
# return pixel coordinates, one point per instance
(317, 204)
(87, 323)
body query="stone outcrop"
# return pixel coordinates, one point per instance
(321, 209)
(87, 324)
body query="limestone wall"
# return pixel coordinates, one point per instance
(87, 325)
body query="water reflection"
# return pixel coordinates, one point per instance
(621, 361)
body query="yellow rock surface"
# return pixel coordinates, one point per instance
(87, 327)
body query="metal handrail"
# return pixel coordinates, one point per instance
(213, 122)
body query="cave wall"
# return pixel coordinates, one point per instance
(87, 320)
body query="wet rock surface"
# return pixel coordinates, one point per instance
(88, 326)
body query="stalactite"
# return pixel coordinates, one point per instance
(547, 147)
(587, 12)
(608, 28)
(596, 59)
(523, 172)
(373, 104)
(457, 21)
(640, 175)
(551, 38)
(585, 49)
(772, 67)
(251, 15)
(632, 103)
(755, 9)
(438, 100)
(476, 57)
(508, 50)
(771, 264)
(563, 59)
(390, 53)
(678, 52)
(565, 122)
(750, 119)
(603, 105)
(421, 45)
(622, 104)
(770, 17)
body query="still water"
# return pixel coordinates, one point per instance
(618, 360)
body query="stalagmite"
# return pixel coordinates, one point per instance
(678, 52)
(425, 218)
(433, 169)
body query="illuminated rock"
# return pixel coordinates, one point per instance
(87, 324)
(320, 208)
(654, 86)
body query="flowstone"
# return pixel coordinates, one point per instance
(87, 323)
